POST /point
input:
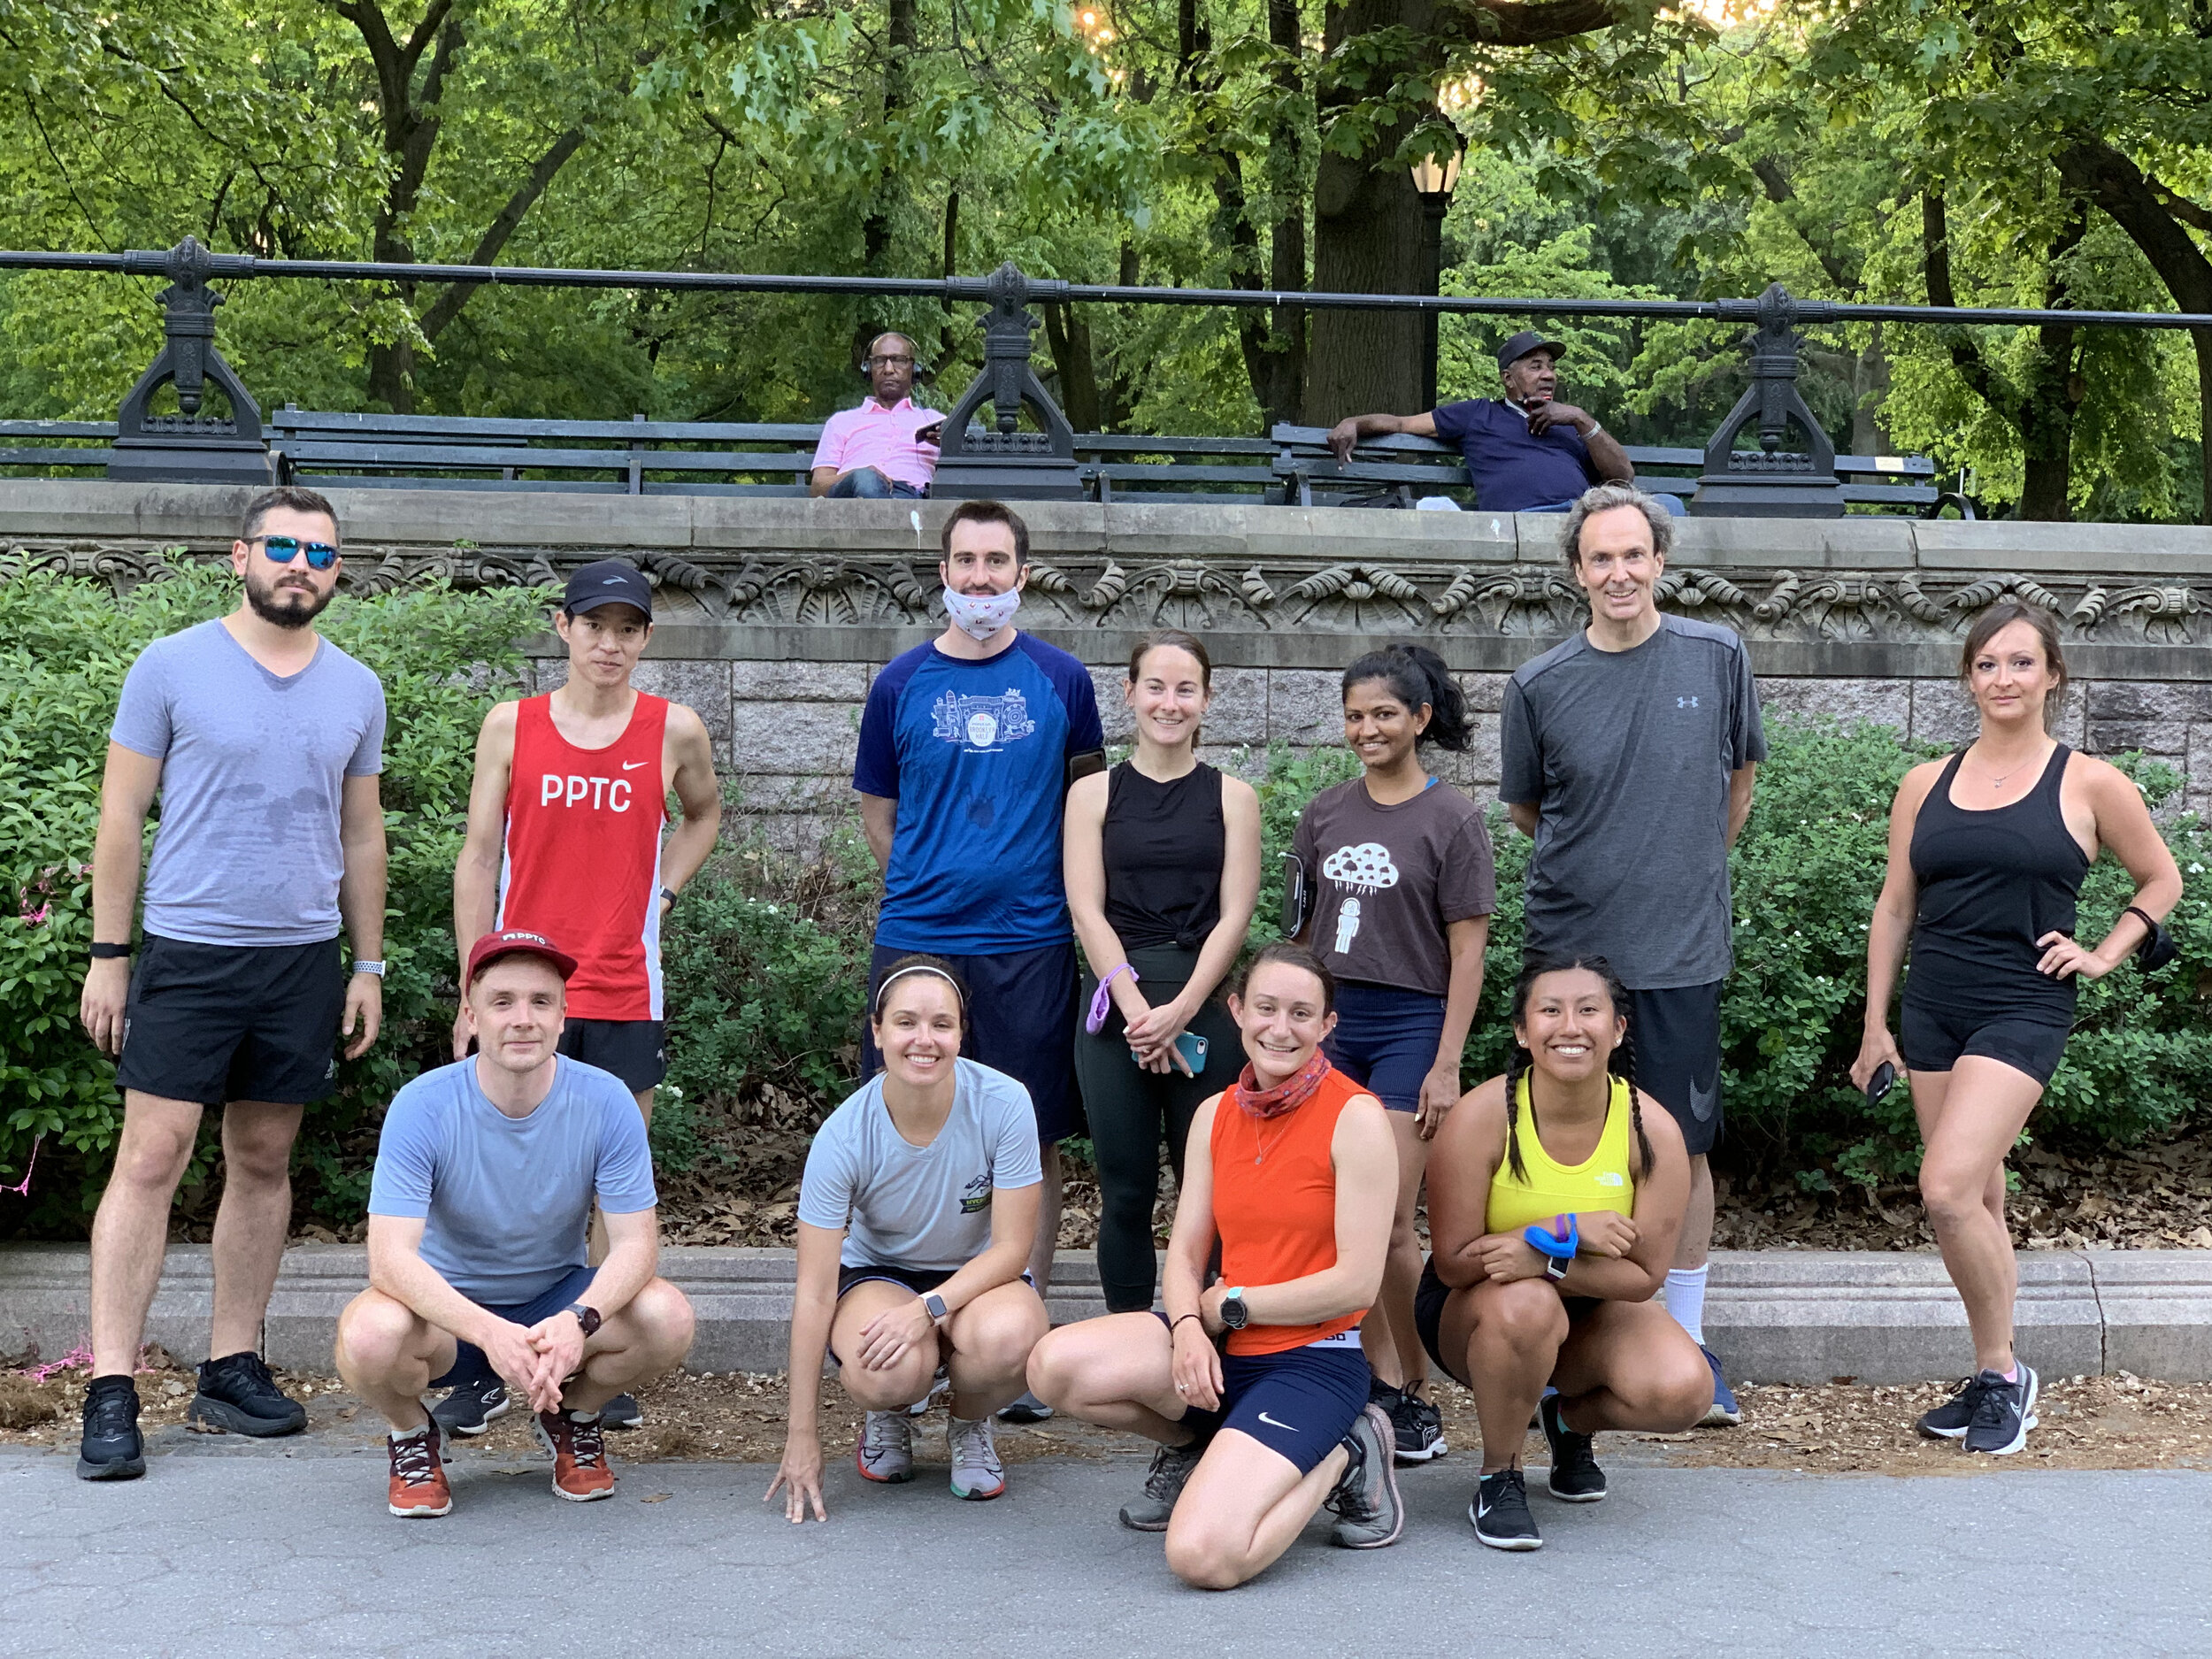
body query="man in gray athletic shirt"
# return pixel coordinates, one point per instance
(264, 742)
(1629, 752)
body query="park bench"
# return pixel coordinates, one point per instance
(48, 445)
(1408, 467)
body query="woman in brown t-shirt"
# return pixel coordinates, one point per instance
(1398, 864)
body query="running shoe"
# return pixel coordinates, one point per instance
(1950, 1420)
(1499, 1512)
(1025, 1408)
(1723, 1412)
(470, 1408)
(886, 1451)
(418, 1489)
(939, 1387)
(238, 1396)
(2004, 1412)
(623, 1412)
(112, 1449)
(1164, 1483)
(580, 1474)
(1416, 1428)
(1575, 1475)
(1365, 1501)
(977, 1473)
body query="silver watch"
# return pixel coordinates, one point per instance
(377, 968)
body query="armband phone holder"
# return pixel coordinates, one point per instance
(1560, 1240)
(1296, 906)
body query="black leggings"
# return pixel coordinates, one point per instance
(1130, 1109)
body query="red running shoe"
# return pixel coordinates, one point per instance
(580, 1457)
(418, 1489)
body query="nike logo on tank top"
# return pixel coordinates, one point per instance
(582, 863)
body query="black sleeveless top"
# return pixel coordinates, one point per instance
(1163, 845)
(1991, 885)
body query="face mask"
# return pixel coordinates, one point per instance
(979, 615)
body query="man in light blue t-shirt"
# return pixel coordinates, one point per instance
(968, 744)
(486, 1174)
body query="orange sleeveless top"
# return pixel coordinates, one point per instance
(1275, 1204)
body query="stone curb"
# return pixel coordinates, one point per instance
(1773, 1315)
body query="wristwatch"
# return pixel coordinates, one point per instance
(1234, 1314)
(933, 1305)
(588, 1318)
(1555, 1267)
(669, 893)
(377, 968)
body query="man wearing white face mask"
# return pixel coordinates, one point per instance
(967, 746)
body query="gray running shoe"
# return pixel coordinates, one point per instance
(2004, 1412)
(1163, 1484)
(886, 1452)
(1025, 1408)
(470, 1408)
(1365, 1501)
(977, 1473)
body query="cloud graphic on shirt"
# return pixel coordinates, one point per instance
(1366, 867)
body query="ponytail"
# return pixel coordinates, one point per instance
(1417, 678)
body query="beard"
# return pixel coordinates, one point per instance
(287, 607)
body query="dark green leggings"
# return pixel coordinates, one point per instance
(1130, 1109)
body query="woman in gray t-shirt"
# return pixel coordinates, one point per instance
(1398, 864)
(916, 1216)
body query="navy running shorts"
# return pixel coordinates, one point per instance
(1386, 1040)
(1934, 1036)
(1677, 1037)
(215, 1022)
(634, 1050)
(1021, 1021)
(469, 1362)
(1300, 1402)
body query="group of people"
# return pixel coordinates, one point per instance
(1308, 1099)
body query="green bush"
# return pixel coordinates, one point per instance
(65, 646)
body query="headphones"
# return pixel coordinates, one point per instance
(868, 356)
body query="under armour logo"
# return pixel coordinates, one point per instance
(1686, 703)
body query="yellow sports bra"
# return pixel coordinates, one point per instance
(1602, 1181)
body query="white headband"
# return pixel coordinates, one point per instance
(920, 967)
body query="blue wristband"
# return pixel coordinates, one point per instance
(1552, 1244)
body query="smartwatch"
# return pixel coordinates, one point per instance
(669, 893)
(933, 1305)
(1555, 1267)
(1234, 1314)
(588, 1318)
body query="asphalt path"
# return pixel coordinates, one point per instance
(232, 1549)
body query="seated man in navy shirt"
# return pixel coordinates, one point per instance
(1525, 452)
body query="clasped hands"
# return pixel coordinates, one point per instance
(537, 1360)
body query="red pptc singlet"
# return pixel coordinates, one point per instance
(582, 862)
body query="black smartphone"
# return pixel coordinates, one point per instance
(934, 433)
(1884, 1080)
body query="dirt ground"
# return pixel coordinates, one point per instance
(1839, 1428)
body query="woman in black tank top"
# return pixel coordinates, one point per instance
(1163, 864)
(1987, 850)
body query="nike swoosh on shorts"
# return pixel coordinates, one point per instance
(1272, 1423)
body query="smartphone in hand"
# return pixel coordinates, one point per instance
(1884, 1080)
(934, 433)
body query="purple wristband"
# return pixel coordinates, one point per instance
(1102, 999)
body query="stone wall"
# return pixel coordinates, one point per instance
(775, 612)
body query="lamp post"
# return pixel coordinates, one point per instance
(1433, 181)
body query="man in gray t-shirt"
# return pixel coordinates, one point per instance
(1629, 752)
(263, 741)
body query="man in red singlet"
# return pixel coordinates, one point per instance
(564, 837)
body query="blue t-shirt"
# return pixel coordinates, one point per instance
(1513, 471)
(507, 1199)
(976, 756)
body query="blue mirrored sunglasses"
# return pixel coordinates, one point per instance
(282, 549)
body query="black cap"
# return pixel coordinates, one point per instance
(1527, 341)
(608, 582)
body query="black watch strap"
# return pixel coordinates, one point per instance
(105, 953)
(587, 1317)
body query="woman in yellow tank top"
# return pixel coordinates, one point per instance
(1555, 1193)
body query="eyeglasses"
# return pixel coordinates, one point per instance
(887, 361)
(282, 549)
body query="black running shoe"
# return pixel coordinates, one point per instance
(1499, 1512)
(622, 1412)
(1417, 1426)
(238, 1396)
(2004, 1412)
(470, 1408)
(1950, 1420)
(1575, 1475)
(113, 1449)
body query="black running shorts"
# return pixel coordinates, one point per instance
(1676, 1038)
(216, 1023)
(634, 1050)
(1934, 1036)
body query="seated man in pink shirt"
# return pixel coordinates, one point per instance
(876, 451)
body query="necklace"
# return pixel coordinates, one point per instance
(1997, 779)
(1259, 1137)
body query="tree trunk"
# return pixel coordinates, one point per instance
(1367, 239)
(1870, 390)
(1069, 337)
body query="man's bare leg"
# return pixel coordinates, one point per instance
(130, 1232)
(253, 1220)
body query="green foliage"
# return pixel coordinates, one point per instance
(64, 646)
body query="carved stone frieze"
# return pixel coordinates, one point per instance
(1234, 594)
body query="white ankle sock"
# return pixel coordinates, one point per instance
(1686, 1299)
(410, 1434)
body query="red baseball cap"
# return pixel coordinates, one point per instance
(516, 941)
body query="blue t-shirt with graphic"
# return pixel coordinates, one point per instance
(976, 756)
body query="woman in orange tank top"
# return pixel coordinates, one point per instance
(1253, 1387)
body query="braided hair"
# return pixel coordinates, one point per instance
(1621, 1062)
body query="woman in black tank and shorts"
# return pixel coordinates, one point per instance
(1987, 850)
(1163, 864)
